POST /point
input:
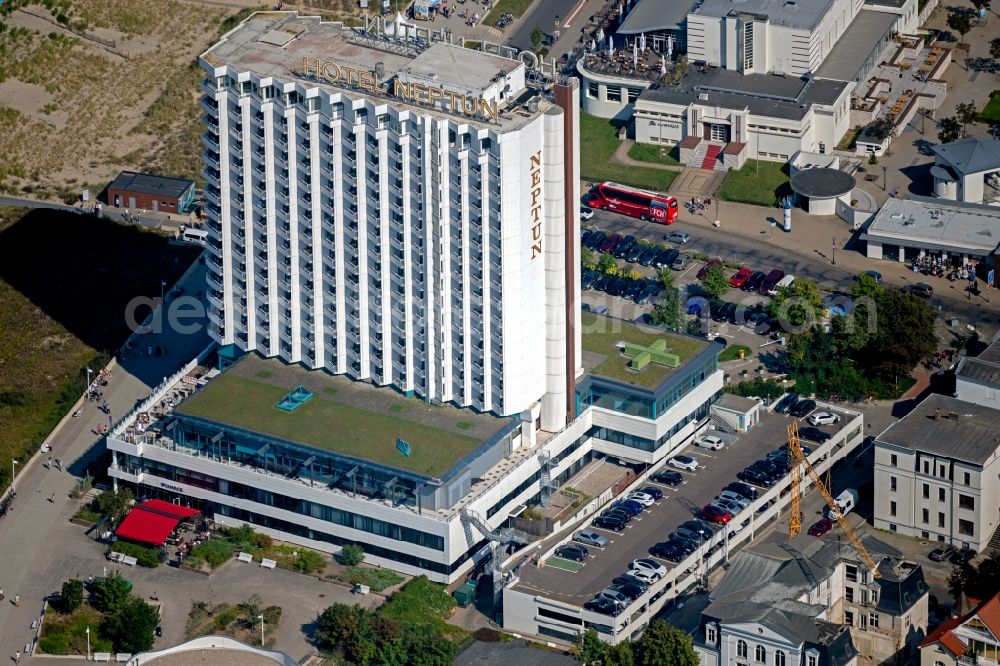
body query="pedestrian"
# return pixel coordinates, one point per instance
(48, 464)
(17, 599)
(17, 657)
(52, 498)
(1, 594)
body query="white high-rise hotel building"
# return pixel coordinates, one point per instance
(394, 208)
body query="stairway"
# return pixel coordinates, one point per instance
(711, 156)
(995, 539)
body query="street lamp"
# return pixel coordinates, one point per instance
(12, 463)
(88, 642)
(884, 169)
(833, 255)
(261, 618)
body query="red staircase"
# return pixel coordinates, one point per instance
(711, 155)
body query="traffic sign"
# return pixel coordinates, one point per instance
(990, 277)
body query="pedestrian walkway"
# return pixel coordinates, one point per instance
(621, 156)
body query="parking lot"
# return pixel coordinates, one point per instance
(576, 583)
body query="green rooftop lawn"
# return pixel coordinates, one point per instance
(598, 142)
(601, 335)
(323, 423)
(765, 185)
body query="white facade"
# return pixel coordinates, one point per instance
(355, 231)
(771, 39)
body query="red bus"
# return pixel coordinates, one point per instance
(634, 202)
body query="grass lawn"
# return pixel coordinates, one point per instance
(991, 112)
(762, 187)
(598, 142)
(732, 353)
(515, 7)
(602, 334)
(65, 281)
(67, 634)
(321, 422)
(422, 604)
(376, 579)
(647, 153)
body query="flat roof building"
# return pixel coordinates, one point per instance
(151, 192)
(967, 170)
(390, 206)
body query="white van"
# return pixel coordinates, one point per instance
(785, 282)
(198, 236)
(845, 501)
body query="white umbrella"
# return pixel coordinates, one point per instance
(642, 45)
(611, 48)
(600, 34)
(635, 53)
(593, 45)
(663, 66)
(670, 46)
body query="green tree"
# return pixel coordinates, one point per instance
(667, 313)
(904, 335)
(338, 623)
(872, 159)
(995, 48)
(72, 595)
(619, 655)
(131, 627)
(536, 38)
(982, 581)
(607, 264)
(352, 554)
(866, 286)
(589, 647)
(111, 594)
(949, 129)
(715, 284)
(797, 304)
(114, 503)
(427, 649)
(663, 644)
(960, 23)
(967, 114)
(587, 258)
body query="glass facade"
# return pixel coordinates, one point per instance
(617, 437)
(648, 405)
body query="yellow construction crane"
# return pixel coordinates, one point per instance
(799, 461)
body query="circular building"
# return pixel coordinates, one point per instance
(818, 189)
(945, 182)
(213, 651)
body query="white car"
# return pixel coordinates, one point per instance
(709, 442)
(683, 462)
(652, 567)
(680, 237)
(729, 505)
(645, 576)
(586, 213)
(735, 497)
(823, 418)
(641, 498)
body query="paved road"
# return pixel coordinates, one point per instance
(766, 253)
(543, 14)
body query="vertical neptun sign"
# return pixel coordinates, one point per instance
(535, 170)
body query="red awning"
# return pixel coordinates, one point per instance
(152, 521)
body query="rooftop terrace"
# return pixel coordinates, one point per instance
(344, 416)
(603, 341)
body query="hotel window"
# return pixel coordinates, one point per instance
(614, 94)
(940, 519)
(925, 516)
(966, 527)
(927, 467)
(741, 648)
(710, 634)
(849, 618)
(892, 484)
(849, 594)
(942, 471)
(313, 104)
(873, 620)
(967, 478)
(811, 660)
(633, 94)
(267, 92)
(892, 508)
(851, 573)
(940, 494)
(967, 502)
(760, 654)
(927, 491)
(593, 90)
(779, 658)
(892, 459)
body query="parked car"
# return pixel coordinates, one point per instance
(823, 418)
(754, 281)
(698, 526)
(630, 505)
(609, 523)
(738, 280)
(679, 237)
(711, 442)
(642, 498)
(716, 514)
(602, 606)
(590, 538)
(633, 255)
(689, 534)
(610, 243)
(683, 462)
(602, 282)
(645, 576)
(729, 505)
(648, 292)
(743, 490)
(653, 492)
(668, 551)
(814, 435)
(962, 556)
(708, 266)
(769, 285)
(631, 590)
(618, 514)
(738, 499)
(921, 289)
(588, 279)
(600, 309)
(617, 286)
(802, 407)
(630, 579)
(786, 403)
(649, 256)
(634, 289)
(595, 239)
(685, 544)
(624, 246)
(586, 213)
(875, 275)
(649, 566)
(665, 257)
(614, 595)
(585, 236)
(573, 552)
(941, 553)
(724, 312)
(821, 527)
(681, 262)
(668, 478)
(755, 477)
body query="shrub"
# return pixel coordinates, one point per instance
(308, 561)
(352, 554)
(215, 552)
(72, 595)
(146, 557)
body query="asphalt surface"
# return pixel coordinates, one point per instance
(543, 14)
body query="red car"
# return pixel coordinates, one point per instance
(707, 267)
(610, 243)
(741, 276)
(821, 527)
(716, 514)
